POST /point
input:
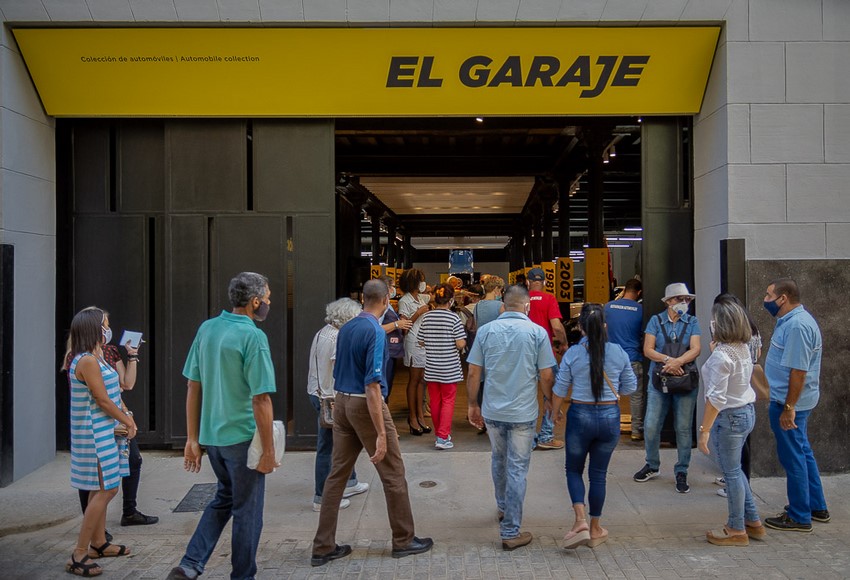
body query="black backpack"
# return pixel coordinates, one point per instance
(675, 384)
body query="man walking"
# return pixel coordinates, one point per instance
(624, 317)
(362, 419)
(792, 367)
(230, 375)
(547, 314)
(514, 352)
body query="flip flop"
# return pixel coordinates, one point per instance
(576, 539)
(597, 541)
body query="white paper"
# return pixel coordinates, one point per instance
(132, 336)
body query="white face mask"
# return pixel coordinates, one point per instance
(107, 335)
(680, 308)
(422, 286)
(711, 327)
(392, 293)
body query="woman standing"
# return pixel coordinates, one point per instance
(599, 372)
(669, 331)
(729, 418)
(395, 328)
(98, 462)
(412, 306)
(320, 385)
(443, 337)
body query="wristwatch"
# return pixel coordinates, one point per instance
(788, 407)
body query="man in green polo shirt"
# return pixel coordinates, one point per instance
(230, 374)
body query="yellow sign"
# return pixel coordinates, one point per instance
(375, 272)
(344, 72)
(511, 277)
(391, 273)
(564, 290)
(549, 282)
(596, 284)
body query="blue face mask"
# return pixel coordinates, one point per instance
(772, 307)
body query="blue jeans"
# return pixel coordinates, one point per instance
(728, 435)
(324, 452)
(511, 454)
(547, 424)
(657, 406)
(804, 488)
(593, 430)
(240, 494)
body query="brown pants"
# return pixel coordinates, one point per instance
(354, 431)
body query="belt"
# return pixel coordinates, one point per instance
(595, 403)
(358, 395)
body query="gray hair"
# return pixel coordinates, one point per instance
(731, 324)
(341, 311)
(245, 286)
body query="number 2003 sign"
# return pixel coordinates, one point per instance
(564, 280)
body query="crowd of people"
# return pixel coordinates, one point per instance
(515, 345)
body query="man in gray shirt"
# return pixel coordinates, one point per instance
(514, 351)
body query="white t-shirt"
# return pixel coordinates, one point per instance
(320, 377)
(407, 307)
(726, 375)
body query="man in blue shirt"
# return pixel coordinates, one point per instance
(625, 327)
(792, 368)
(362, 419)
(513, 351)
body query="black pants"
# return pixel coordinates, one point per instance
(129, 484)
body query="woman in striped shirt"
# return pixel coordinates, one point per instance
(97, 462)
(443, 337)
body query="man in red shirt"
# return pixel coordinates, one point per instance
(546, 313)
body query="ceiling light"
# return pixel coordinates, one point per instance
(619, 245)
(605, 158)
(612, 151)
(479, 119)
(633, 229)
(640, 119)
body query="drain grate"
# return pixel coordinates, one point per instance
(427, 484)
(198, 497)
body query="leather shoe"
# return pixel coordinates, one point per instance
(417, 546)
(339, 552)
(523, 539)
(137, 518)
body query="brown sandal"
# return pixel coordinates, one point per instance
(101, 552)
(82, 569)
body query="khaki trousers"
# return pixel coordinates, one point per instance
(354, 431)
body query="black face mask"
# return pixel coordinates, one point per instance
(261, 312)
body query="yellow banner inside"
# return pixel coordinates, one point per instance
(286, 72)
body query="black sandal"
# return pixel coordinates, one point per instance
(82, 569)
(101, 552)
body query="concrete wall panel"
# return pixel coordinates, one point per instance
(153, 10)
(819, 193)
(67, 10)
(711, 140)
(716, 90)
(711, 199)
(28, 146)
(836, 127)
(35, 295)
(368, 11)
(17, 92)
(581, 11)
(738, 129)
(239, 11)
(756, 72)
(454, 11)
(412, 11)
(497, 11)
(324, 11)
(836, 20)
(28, 204)
(24, 11)
(818, 72)
(838, 241)
(111, 10)
(737, 21)
(756, 194)
(787, 133)
(706, 10)
(282, 10)
(663, 10)
(624, 10)
(538, 11)
(782, 241)
(785, 20)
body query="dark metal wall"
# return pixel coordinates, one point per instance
(165, 212)
(7, 402)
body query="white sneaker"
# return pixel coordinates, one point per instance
(722, 492)
(361, 487)
(317, 507)
(720, 481)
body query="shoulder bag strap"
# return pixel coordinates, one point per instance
(664, 330)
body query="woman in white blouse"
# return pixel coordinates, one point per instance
(729, 417)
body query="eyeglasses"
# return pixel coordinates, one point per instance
(685, 299)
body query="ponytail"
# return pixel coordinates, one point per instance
(592, 322)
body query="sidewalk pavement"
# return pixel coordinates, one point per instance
(654, 531)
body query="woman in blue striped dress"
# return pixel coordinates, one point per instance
(98, 460)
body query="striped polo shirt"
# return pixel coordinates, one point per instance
(439, 330)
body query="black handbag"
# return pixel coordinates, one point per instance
(675, 384)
